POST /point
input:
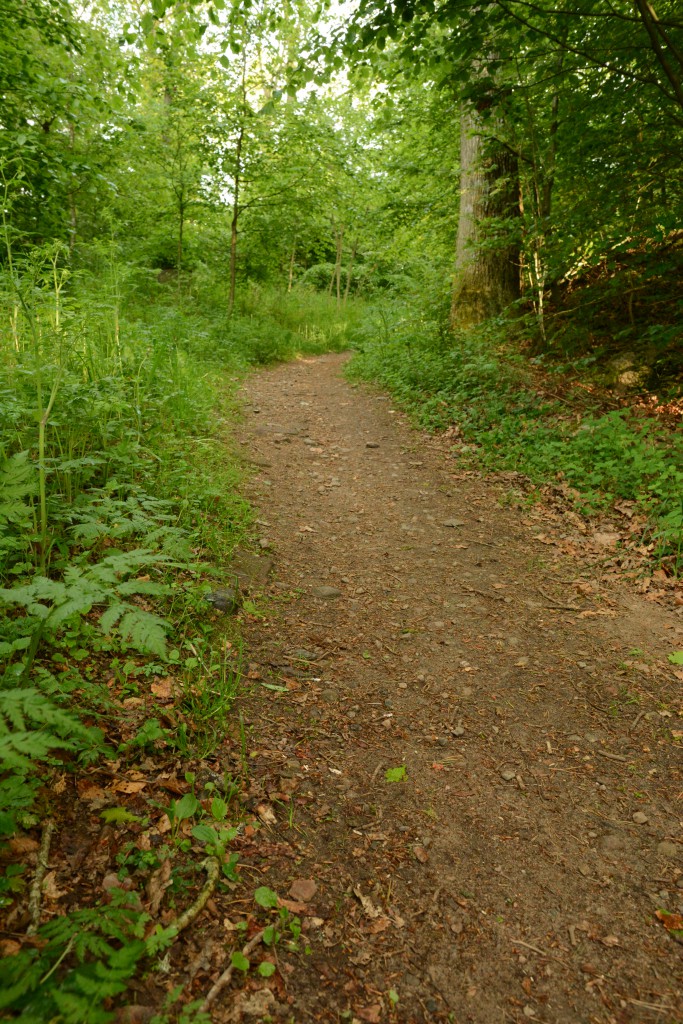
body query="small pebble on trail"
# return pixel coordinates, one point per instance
(508, 775)
(372, 444)
(326, 593)
(640, 818)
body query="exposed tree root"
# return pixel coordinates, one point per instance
(34, 899)
(225, 977)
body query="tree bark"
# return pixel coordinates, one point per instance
(349, 272)
(235, 217)
(486, 276)
(339, 234)
(291, 268)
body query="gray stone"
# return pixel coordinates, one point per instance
(224, 599)
(372, 444)
(669, 850)
(453, 524)
(613, 842)
(640, 818)
(325, 592)
(508, 774)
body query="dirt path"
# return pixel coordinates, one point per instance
(516, 872)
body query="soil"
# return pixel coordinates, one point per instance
(463, 734)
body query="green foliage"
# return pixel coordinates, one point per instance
(396, 774)
(88, 955)
(475, 380)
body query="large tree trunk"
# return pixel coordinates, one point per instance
(487, 256)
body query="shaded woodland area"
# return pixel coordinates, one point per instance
(483, 202)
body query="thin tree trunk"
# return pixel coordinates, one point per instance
(338, 264)
(349, 272)
(73, 215)
(486, 275)
(657, 36)
(291, 269)
(235, 218)
(181, 225)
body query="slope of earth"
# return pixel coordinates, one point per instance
(465, 745)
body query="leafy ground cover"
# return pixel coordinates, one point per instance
(120, 512)
(509, 413)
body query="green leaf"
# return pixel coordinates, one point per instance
(205, 834)
(266, 898)
(266, 969)
(676, 658)
(118, 816)
(186, 807)
(239, 961)
(219, 809)
(395, 774)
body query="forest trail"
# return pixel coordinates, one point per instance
(517, 871)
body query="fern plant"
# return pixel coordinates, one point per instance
(32, 727)
(18, 488)
(80, 961)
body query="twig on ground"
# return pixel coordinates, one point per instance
(637, 719)
(226, 976)
(537, 949)
(556, 604)
(213, 870)
(612, 757)
(37, 887)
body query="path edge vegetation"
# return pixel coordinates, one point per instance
(177, 209)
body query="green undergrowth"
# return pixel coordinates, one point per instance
(119, 510)
(477, 380)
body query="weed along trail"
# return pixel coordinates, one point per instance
(462, 741)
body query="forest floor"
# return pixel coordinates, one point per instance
(465, 736)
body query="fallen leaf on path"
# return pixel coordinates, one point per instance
(50, 890)
(163, 687)
(610, 940)
(23, 844)
(158, 884)
(421, 854)
(368, 906)
(128, 786)
(380, 925)
(88, 790)
(372, 1014)
(163, 824)
(293, 906)
(672, 922)
(303, 889)
(266, 814)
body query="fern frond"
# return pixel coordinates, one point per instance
(146, 631)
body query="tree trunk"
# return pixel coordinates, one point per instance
(235, 217)
(291, 269)
(486, 272)
(181, 226)
(349, 272)
(337, 267)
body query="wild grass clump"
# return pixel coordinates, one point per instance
(475, 380)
